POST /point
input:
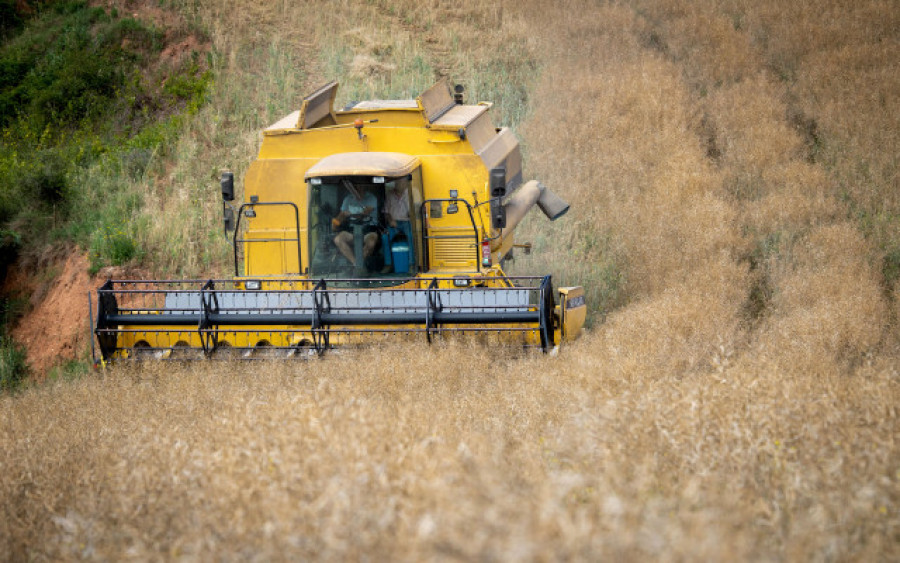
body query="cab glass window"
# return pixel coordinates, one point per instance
(360, 227)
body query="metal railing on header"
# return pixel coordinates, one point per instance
(292, 314)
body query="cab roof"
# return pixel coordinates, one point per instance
(388, 164)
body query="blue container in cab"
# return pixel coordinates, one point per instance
(400, 256)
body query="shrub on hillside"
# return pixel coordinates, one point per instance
(10, 20)
(112, 246)
(13, 369)
(10, 242)
(70, 65)
(46, 182)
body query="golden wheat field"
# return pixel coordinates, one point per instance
(733, 173)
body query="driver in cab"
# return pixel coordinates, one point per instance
(358, 208)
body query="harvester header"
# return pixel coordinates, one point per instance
(385, 218)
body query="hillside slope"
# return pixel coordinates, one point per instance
(733, 180)
(91, 97)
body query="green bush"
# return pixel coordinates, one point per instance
(112, 246)
(13, 368)
(46, 182)
(890, 268)
(10, 20)
(70, 65)
(10, 243)
(191, 86)
(70, 370)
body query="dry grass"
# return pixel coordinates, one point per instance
(733, 174)
(427, 455)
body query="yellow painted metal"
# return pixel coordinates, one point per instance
(572, 311)
(258, 340)
(447, 160)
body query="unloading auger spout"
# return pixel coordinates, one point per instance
(386, 220)
(525, 198)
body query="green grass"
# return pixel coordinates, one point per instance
(398, 73)
(70, 370)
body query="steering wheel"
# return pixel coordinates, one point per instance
(358, 219)
(349, 222)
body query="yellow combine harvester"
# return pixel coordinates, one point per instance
(386, 218)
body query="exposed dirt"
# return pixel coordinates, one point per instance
(175, 52)
(55, 329)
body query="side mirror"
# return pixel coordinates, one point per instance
(227, 186)
(229, 218)
(498, 214)
(498, 182)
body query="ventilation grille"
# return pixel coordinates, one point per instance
(454, 252)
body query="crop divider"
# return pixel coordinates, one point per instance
(322, 306)
(209, 304)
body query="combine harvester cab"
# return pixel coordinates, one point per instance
(387, 219)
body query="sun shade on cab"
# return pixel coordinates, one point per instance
(388, 164)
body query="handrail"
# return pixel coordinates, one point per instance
(427, 229)
(237, 229)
